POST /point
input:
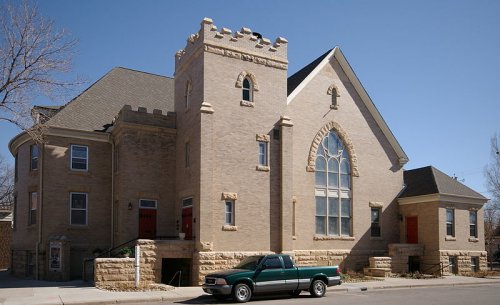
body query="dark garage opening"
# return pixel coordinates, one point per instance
(413, 264)
(175, 271)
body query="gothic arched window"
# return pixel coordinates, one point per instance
(333, 188)
(247, 90)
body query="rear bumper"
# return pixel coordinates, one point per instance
(334, 280)
(218, 289)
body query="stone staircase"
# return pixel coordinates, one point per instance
(380, 266)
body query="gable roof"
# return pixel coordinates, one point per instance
(299, 80)
(95, 108)
(429, 180)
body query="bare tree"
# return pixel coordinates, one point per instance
(6, 183)
(492, 208)
(32, 57)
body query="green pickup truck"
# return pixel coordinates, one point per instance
(270, 273)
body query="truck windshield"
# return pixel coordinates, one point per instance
(249, 263)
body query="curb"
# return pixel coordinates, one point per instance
(409, 286)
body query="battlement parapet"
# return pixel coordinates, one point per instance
(243, 44)
(141, 116)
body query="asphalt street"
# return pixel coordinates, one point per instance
(466, 295)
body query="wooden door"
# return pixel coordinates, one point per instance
(187, 222)
(147, 223)
(412, 230)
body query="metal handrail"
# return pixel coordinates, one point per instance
(180, 274)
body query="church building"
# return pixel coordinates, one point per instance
(229, 158)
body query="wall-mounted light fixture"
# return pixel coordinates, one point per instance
(130, 206)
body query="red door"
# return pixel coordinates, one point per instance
(412, 230)
(147, 223)
(187, 222)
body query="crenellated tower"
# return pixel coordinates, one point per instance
(230, 95)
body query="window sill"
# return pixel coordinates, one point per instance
(473, 239)
(229, 228)
(334, 107)
(78, 227)
(379, 238)
(262, 168)
(79, 172)
(247, 104)
(450, 238)
(326, 237)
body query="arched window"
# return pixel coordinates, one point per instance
(333, 188)
(187, 94)
(247, 90)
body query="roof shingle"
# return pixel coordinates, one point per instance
(95, 108)
(429, 180)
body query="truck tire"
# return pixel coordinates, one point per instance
(242, 293)
(317, 289)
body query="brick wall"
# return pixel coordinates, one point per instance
(5, 241)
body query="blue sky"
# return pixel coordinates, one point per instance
(431, 67)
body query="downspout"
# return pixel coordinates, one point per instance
(40, 205)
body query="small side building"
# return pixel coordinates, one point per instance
(445, 217)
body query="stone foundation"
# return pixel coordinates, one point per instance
(400, 254)
(209, 262)
(379, 266)
(114, 272)
(463, 261)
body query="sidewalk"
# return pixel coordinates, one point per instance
(16, 292)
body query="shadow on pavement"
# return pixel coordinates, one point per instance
(9, 281)
(207, 299)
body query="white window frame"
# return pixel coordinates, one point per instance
(337, 193)
(229, 203)
(86, 158)
(263, 155)
(34, 158)
(474, 263)
(147, 207)
(71, 208)
(471, 224)
(249, 89)
(378, 223)
(184, 200)
(32, 220)
(452, 222)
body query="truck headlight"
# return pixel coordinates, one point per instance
(220, 282)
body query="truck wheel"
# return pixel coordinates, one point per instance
(242, 293)
(317, 289)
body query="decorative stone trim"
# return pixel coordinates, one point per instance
(325, 237)
(244, 56)
(311, 162)
(376, 204)
(206, 108)
(247, 104)
(330, 90)
(229, 228)
(285, 121)
(262, 137)
(229, 196)
(450, 238)
(262, 168)
(206, 245)
(473, 239)
(241, 77)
